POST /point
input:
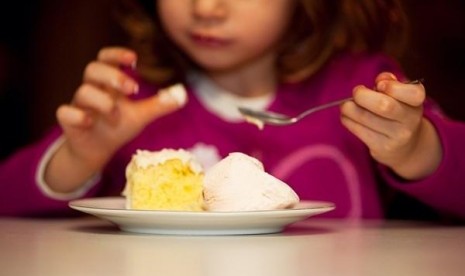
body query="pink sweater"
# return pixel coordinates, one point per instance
(318, 157)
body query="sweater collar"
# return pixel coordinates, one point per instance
(223, 103)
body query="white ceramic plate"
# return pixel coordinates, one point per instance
(197, 223)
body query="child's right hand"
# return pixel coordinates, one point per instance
(101, 117)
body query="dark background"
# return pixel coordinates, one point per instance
(45, 45)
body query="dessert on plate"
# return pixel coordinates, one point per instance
(240, 183)
(164, 180)
(174, 180)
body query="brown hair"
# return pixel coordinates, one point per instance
(319, 30)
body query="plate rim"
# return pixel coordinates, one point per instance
(77, 204)
(204, 223)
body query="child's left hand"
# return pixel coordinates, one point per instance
(389, 120)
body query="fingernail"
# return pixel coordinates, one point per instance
(381, 86)
(393, 76)
(176, 93)
(134, 65)
(357, 87)
(130, 87)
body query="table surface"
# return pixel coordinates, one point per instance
(89, 246)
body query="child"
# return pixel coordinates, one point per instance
(279, 55)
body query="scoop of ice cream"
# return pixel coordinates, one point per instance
(239, 183)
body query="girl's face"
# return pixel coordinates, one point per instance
(223, 35)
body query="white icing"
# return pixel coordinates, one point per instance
(145, 158)
(178, 92)
(255, 122)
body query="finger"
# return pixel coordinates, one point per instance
(105, 75)
(378, 103)
(412, 94)
(385, 76)
(91, 97)
(71, 117)
(395, 130)
(164, 102)
(369, 137)
(117, 56)
(368, 119)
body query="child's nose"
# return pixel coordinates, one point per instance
(209, 9)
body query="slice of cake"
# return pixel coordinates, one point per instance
(164, 180)
(240, 183)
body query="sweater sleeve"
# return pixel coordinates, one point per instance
(444, 190)
(22, 193)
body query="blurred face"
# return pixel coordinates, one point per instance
(224, 35)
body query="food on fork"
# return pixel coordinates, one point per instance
(164, 180)
(240, 183)
(174, 180)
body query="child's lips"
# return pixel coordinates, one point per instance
(209, 40)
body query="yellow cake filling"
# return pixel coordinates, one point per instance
(171, 185)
